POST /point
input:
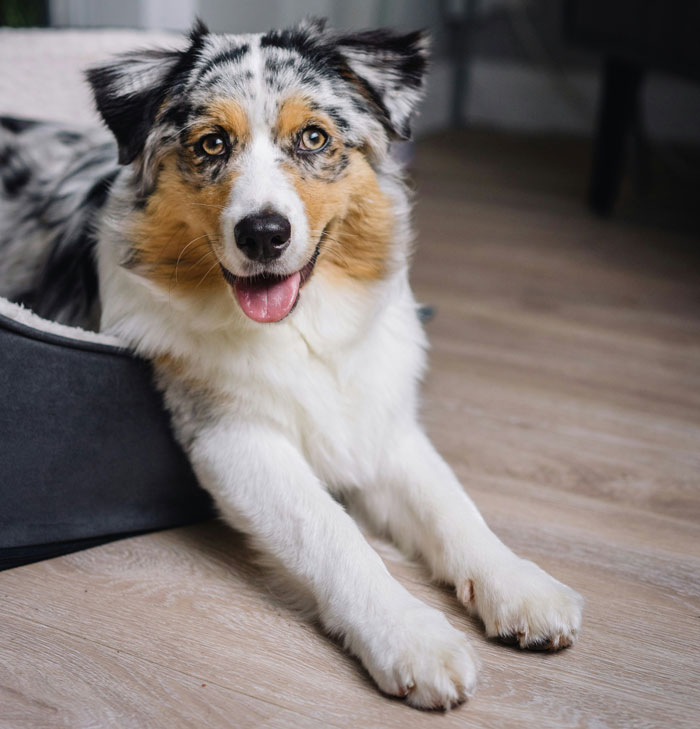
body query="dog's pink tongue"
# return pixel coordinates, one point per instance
(267, 300)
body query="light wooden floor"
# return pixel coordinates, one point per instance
(565, 390)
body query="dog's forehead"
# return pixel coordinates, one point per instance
(260, 76)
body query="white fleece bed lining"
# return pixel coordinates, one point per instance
(28, 318)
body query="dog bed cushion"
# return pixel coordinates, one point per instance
(86, 450)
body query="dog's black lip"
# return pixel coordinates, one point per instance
(304, 273)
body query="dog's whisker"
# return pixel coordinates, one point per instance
(207, 205)
(201, 259)
(182, 252)
(201, 281)
(174, 273)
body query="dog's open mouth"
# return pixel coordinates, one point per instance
(269, 298)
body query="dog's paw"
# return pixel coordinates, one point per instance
(424, 660)
(520, 603)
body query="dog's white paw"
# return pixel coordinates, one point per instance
(423, 659)
(519, 602)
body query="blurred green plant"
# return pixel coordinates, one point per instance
(23, 13)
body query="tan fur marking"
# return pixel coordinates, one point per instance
(227, 114)
(183, 371)
(175, 368)
(358, 216)
(356, 213)
(296, 113)
(173, 235)
(169, 365)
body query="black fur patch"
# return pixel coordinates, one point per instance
(400, 58)
(230, 55)
(68, 138)
(14, 172)
(69, 278)
(11, 124)
(130, 115)
(410, 65)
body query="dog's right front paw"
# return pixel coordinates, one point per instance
(425, 660)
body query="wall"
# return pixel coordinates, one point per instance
(522, 76)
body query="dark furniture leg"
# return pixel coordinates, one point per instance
(618, 110)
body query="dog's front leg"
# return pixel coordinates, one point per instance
(264, 487)
(421, 503)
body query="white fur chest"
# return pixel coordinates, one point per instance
(337, 377)
(338, 384)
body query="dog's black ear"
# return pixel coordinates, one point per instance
(130, 89)
(391, 69)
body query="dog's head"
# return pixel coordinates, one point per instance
(255, 156)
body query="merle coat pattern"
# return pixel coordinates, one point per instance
(250, 235)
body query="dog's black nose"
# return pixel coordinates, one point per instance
(264, 236)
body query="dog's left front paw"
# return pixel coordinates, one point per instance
(521, 603)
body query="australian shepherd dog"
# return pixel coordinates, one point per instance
(249, 234)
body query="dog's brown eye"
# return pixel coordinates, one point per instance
(312, 139)
(213, 145)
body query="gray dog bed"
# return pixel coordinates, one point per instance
(86, 451)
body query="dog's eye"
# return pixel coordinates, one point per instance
(312, 139)
(213, 145)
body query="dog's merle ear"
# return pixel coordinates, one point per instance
(391, 69)
(130, 90)
(312, 25)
